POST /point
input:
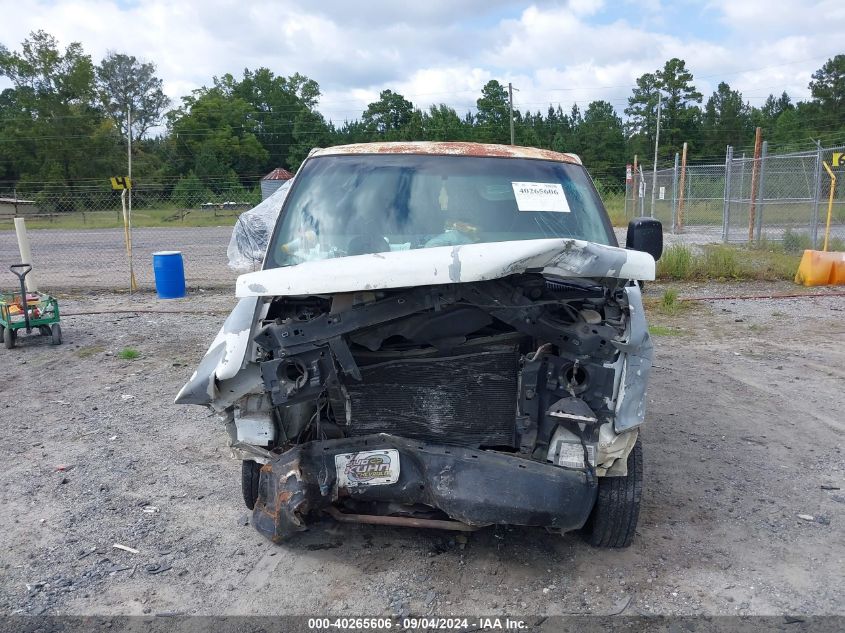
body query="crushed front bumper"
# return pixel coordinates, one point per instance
(471, 486)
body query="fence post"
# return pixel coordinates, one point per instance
(15, 194)
(675, 192)
(644, 188)
(726, 209)
(636, 187)
(755, 170)
(679, 225)
(625, 208)
(761, 190)
(814, 229)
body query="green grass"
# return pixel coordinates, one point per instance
(696, 212)
(140, 218)
(721, 262)
(724, 263)
(798, 242)
(128, 353)
(615, 205)
(662, 330)
(709, 212)
(87, 352)
(675, 263)
(669, 303)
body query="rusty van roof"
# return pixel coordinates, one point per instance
(448, 148)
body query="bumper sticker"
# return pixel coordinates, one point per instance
(367, 468)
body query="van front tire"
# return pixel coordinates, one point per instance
(613, 521)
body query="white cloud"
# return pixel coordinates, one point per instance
(778, 17)
(444, 51)
(585, 7)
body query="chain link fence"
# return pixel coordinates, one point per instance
(778, 197)
(77, 235)
(78, 239)
(95, 207)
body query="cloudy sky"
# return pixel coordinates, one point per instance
(444, 51)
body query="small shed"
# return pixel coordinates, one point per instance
(13, 207)
(273, 181)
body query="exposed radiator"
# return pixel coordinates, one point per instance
(466, 400)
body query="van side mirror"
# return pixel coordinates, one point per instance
(646, 235)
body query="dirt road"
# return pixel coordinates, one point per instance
(745, 436)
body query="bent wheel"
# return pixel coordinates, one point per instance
(250, 474)
(56, 333)
(613, 520)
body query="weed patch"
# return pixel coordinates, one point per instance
(669, 303)
(128, 353)
(662, 330)
(721, 262)
(88, 352)
(798, 242)
(676, 263)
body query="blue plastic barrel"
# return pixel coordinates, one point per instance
(169, 274)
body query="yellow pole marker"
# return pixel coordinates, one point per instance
(829, 204)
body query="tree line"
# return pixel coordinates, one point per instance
(65, 120)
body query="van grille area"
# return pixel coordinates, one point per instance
(464, 400)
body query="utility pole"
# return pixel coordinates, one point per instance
(129, 151)
(656, 143)
(510, 107)
(127, 210)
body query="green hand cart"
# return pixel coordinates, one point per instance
(32, 310)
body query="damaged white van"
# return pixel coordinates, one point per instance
(441, 335)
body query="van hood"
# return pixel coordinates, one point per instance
(449, 264)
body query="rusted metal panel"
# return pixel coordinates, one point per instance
(371, 519)
(450, 149)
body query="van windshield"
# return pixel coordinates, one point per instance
(374, 203)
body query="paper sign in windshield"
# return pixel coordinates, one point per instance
(540, 196)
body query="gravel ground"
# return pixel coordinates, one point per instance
(745, 438)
